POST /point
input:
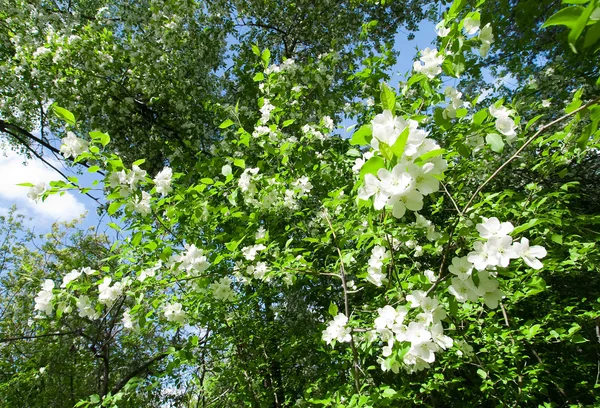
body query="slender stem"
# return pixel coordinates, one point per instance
(346, 306)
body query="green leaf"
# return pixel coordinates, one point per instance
(101, 137)
(389, 393)
(239, 163)
(137, 238)
(207, 180)
(495, 141)
(255, 50)
(388, 98)
(480, 116)
(94, 399)
(371, 166)
(25, 184)
(580, 25)
(226, 124)
(259, 77)
(429, 155)
(287, 123)
(592, 35)
(567, 16)
(400, 143)
(482, 373)
(532, 121)
(333, 309)
(93, 169)
(265, 57)
(64, 114)
(524, 227)
(113, 207)
(360, 136)
(138, 162)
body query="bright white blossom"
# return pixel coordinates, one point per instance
(222, 289)
(73, 146)
(530, 254)
(251, 251)
(36, 191)
(163, 181)
(471, 26)
(107, 293)
(174, 312)
(69, 277)
(487, 38)
(44, 297)
(431, 63)
(337, 330)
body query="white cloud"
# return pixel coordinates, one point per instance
(56, 207)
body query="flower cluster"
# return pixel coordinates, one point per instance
(405, 185)
(125, 180)
(163, 181)
(36, 191)
(455, 102)
(222, 289)
(107, 293)
(193, 261)
(504, 123)
(425, 333)
(337, 330)
(73, 146)
(44, 297)
(497, 250)
(375, 273)
(74, 274)
(86, 308)
(431, 63)
(174, 312)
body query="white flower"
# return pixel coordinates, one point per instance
(492, 227)
(193, 260)
(530, 254)
(260, 233)
(481, 257)
(441, 30)
(250, 252)
(387, 127)
(69, 277)
(174, 313)
(504, 123)
(328, 122)
(36, 192)
(337, 330)
(222, 289)
(265, 110)
(487, 38)
(44, 297)
(163, 181)
(85, 307)
(546, 103)
(88, 271)
(259, 271)
(461, 267)
(127, 321)
(108, 294)
(226, 170)
(73, 146)
(463, 289)
(135, 175)
(431, 63)
(141, 204)
(471, 26)
(149, 272)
